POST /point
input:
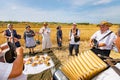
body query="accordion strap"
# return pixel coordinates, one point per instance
(106, 35)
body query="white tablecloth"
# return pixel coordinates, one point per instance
(37, 69)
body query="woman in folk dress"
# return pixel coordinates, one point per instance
(29, 39)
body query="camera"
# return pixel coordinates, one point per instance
(7, 52)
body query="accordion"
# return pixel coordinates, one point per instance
(82, 67)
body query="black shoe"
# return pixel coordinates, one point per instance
(76, 54)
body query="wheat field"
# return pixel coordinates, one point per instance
(85, 33)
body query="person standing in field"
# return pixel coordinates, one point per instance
(29, 39)
(59, 36)
(102, 40)
(74, 38)
(12, 35)
(45, 31)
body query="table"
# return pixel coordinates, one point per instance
(29, 69)
(45, 75)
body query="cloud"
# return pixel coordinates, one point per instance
(18, 12)
(102, 2)
(21, 13)
(80, 2)
(111, 14)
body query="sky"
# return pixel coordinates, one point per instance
(67, 11)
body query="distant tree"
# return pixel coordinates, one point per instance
(83, 23)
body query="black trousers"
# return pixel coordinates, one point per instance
(59, 43)
(76, 47)
(102, 52)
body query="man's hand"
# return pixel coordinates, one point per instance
(74, 34)
(91, 44)
(19, 51)
(17, 64)
(60, 40)
(43, 30)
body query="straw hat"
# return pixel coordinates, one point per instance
(45, 23)
(105, 23)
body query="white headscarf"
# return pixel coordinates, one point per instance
(9, 26)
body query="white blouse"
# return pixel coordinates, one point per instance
(72, 37)
(45, 32)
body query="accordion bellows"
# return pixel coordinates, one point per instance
(83, 67)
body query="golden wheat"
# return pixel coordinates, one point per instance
(85, 33)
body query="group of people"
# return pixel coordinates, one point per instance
(46, 42)
(101, 42)
(13, 71)
(45, 32)
(31, 43)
